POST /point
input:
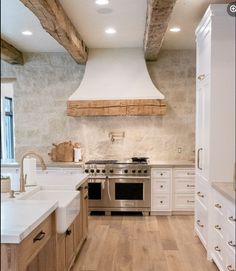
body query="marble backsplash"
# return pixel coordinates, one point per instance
(46, 81)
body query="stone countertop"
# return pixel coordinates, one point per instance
(225, 189)
(177, 163)
(49, 165)
(61, 181)
(20, 218)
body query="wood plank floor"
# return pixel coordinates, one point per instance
(151, 243)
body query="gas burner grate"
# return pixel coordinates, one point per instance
(101, 162)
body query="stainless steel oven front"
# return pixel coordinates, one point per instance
(120, 193)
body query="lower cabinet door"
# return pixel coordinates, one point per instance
(61, 252)
(78, 231)
(69, 245)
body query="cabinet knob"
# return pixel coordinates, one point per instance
(161, 201)
(161, 174)
(230, 243)
(230, 268)
(68, 232)
(39, 236)
(200, 195)
(199, 224)
(231, 218)
(218, 227)
(218, 206)
(201, 77)
(217, 249)
(161, 186)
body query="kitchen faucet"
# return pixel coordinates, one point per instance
(22, 179)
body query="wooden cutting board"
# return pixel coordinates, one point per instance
(63, 152)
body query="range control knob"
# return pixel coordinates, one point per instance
(145, 171)
(103, 171)
(92, 170)
(98, 170)
(139, 171)
(111, 170)
(126, 171)
(86, 171)
(133, 171)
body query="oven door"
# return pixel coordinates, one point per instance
(97, 192)
(130, 192)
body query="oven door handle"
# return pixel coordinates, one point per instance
(108, 189)
(130, 177)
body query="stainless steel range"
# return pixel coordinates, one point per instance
(119, 185)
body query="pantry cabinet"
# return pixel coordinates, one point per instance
(215, 108)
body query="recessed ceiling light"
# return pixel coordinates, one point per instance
(102, 2)
(175, 29)
(27, 33)
(110, 30)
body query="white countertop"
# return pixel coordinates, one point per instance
(177, 163)
(20, 218)
(61, 180)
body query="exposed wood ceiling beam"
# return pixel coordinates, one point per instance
(158, 16)
(55, 21)
(10, 54)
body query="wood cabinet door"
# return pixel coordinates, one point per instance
(69, 245)
(61, 252)
(78, 231)
(85, 209)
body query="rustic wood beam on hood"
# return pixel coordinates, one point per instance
(10, 54)
(55, 21)
(158, 16)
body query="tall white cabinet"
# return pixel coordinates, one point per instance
(215, 109)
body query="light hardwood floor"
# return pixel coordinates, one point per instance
(152, 243)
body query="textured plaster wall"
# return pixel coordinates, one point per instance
(46, 81)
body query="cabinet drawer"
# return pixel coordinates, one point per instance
(218, 250)
(160, 186)
(161, 173)
(184, 202)
(201, 192)
(184, 186)
(184, 173)
(230, 261)
(201, 223)
(34, 242)
(160, 202)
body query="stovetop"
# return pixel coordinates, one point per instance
(133, 160)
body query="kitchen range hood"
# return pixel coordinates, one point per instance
(116, 82)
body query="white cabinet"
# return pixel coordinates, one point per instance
(183, 189)
(161, 189)
(215, 108)
(222, 232)
(172, 189)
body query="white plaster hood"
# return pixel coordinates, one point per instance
(116, 78)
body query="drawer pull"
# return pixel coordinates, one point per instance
(190, 201)
(39, 236)
(200, 195)
(201, 77)
(161, 186)
(190, 173)
(161, 174)
(86, 187)
(68, 232)
(161, 201)
(230, 243)
(231, 218)
(86, 197)
(199, 224)
(217, 249)
(190, 185)
(218, 227)
(230, 268)
(218, 206)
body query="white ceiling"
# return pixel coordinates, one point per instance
(127, 16)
